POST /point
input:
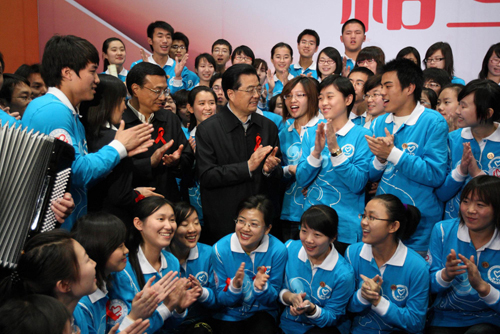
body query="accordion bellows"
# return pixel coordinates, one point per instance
(34, 170)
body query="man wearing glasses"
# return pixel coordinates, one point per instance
(171, 156)
(237, 153)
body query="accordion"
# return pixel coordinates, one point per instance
(34, 171)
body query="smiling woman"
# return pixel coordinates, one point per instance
(464, 256)
(249, 267)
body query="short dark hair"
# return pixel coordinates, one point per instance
(308, 32)
(373, 82)
(407, 215)
(243, 49)
(66, 51)
(447, 54)
(2, 62)
(109, 94)
(223, 42)
(486, 96)
(9, 84)
(33, 314)
(137, 74)
(160, 25)
(231, 77)
(321, 218)
(487, 188)
(343, 85)
(273, 101)
(181, 98)
(372, 52)
(484, 69)
(333, 54)
(182, 212)
(26, 70)
(353, 21)
(363, 70)
(100, 233)
(208, 58)
(406, 51)
(179, 36)
(431, 95)
(105, 47)
(310, 88)
(437, 75)
(281, 45)
(261, 203)
(408, 73)
(216, 76)
(258, 61)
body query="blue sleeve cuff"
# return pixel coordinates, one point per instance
(234, 290)
(204, 295)
(338, 160)
(316, 314)
(361, 299)
(441, 281)
(378, 165)
(457, 176)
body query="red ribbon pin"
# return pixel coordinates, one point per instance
(228, 281)
(258, 141)
(160, 136)
(111, 314)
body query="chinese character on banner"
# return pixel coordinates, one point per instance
(394, 13)
(477, 24)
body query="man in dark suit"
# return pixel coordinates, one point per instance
(237, 153)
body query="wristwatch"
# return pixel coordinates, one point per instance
(337, 152)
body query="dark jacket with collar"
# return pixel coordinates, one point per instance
(223, 149)
(163, 178)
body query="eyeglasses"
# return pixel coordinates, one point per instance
(432, 85)
(495, 61)
(251, 89)
(242, 222)
(298, 96)
(327, 62)
(170, 100)
(371, 218)
(216, 88)
(242, 58)
(180, 47)
(374, 96)
(433, 60)
(365, 62)
(159, 92)
(358, 83)
(223, 51)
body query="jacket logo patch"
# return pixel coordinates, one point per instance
(494, 274)
(400, 293)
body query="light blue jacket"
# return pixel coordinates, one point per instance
(54, 115)
(241, 304)
(338, 182)
(457, 303)
(487, 156)
(405, 291)
(329, 286)
(416, 167)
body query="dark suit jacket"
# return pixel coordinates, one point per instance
(163, 178)
(223, 149)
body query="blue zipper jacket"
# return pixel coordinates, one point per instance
(90, 312)
(337, 181)
(328, 285)
(125, 287)
(487, 156)
(416, 167)
(241, 304)
(457, 303)
(291, 149)
(405, 291)
(54, 115)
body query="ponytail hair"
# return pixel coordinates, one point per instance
(407, 215)
(100, 234)
(47, 258)
(33, 314)
(142, 210)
